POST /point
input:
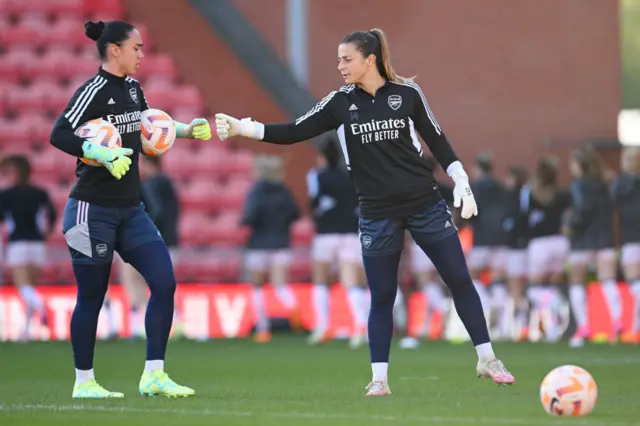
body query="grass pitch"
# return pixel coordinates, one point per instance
(286, 382)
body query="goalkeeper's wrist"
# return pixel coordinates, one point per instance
(251, 129)
(456, 171)
(181, 129)
(92, 151)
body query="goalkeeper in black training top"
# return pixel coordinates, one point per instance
(104, 212)
(378, 116)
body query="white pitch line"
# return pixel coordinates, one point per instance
(310, 415)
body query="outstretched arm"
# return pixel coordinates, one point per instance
(317, 121)
(434, 137)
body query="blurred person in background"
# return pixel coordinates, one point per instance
(517, 239)
(269, 211)
(548, 248)
(29, 217)
(334, 206)
(625, 192)
(489, 252)
(163, 207)
(590, 229)
(424, 271)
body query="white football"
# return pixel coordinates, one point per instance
(568, 391)
(100, 132)
(157, 132)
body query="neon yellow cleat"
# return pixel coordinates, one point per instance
(158, 383)
(91, 389)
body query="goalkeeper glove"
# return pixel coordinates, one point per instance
(116, 160)
(462, 194)
(227, 126)
(198, 129)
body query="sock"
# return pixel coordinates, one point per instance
(83, 375)
(153, 262)
(612, 296)
(321, 303)
(92, 282)
(448, 257)
(153, 365)
(262, 322)
(578, 300)
(400, 315)
(635, 290)
(137, 321)
(32, 298)
(500, 305)
(485, 352)
(285, 296)
(534, 294)
(382, 277)
(483, 294)
(379, 371)
(435, 296)
(357, 301)
(111, 318)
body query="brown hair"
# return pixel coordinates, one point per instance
(21, 165)
(374, 42)
(589, 163)
(545, 179)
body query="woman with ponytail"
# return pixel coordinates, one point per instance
(378, 116)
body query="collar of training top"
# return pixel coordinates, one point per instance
(380, 89)
(111, 77)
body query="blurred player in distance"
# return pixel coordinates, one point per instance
(625, 192)
(269, 211)
(104, 211)
(548, 248)
(424, 271)
(334, 207)
(591, 234)
(378, 116)
(29, 216)
(517, 239)
(489, 252)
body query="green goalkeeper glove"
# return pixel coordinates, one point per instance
(116, 160)
(198, 129)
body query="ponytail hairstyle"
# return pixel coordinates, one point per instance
(590, 163)
(545, 179)
(375, 42)
(106, 33)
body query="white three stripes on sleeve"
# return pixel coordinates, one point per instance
(77, 111)
(432, 117)
(324, 102)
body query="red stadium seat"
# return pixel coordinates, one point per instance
(201, 194)
(186, 96)
(179, 161)
(58, 64)
(18, 7)
(191, 228)
(234, 194)
(210, 160)
(302, 232)
(83, 67)
(13, 135)
(15, 61)
(66, 7)
(68, 31)
(35, 19)
(106, 7)
(158, 65)
(157, 98)
(185, 115)
(227, 231)
(25, 98)
(21, 35)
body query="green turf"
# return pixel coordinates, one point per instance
(287, 383)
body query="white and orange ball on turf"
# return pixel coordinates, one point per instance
(157, 132)
(568, 391)
(100, 132)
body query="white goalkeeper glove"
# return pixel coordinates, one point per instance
(227, 126)
(462, 194)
